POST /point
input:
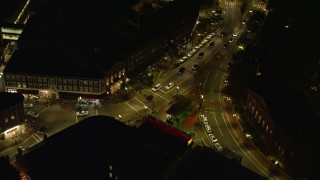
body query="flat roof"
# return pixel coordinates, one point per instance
(86, 39)
(9, 99)
(205, 163)
(88, 149)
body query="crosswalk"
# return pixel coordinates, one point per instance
(258, 4)
(230, 3)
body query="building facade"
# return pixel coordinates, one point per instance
(113, 78)
(11, 115)
(275, 142)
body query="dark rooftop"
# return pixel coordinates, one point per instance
(8, 172)
(87, 150)
(288, 107)
(8, 9)
(205, 163)
(81, 39)
(9, 99)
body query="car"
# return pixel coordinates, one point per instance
(195, 66)
(200, 55)
(197, 48)
(225, 45)
(170, 85)
(219, 55)
(82, 113)
(181, 70)
(149, 98)
(191, 53)
(218, 146)
(33, 114)
(222, 33)
(42, 129)
(156, 87)
(211, 44)
(185, 58)
(22, 148)
(176, 64)
(27, 105)
(212, 138)
(208, 128)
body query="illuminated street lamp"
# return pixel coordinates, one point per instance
(178, 91)
(120, 117)
(201, 97)
(145, 111)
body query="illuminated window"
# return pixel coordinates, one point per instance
(6, 120)
(12, 117)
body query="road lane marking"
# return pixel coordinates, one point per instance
(37, 137)
(220, 87)
(133, 108)
(160, 95)
(215, 118)
(144, 105)
(42, 110)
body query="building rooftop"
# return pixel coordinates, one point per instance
(100, 145)
(9, 99)
(288, 107)
(205, 163)
(86, 39)
(9, 9)
(8, 172)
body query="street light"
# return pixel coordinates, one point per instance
(120, 117)
(145, 111)
(201, 97)
(178, 91)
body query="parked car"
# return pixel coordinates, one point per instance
(181, 70)
(82, 113)
(200, 55)
(33, 114)
(156, 87)
(170, 85)
(28, 105)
